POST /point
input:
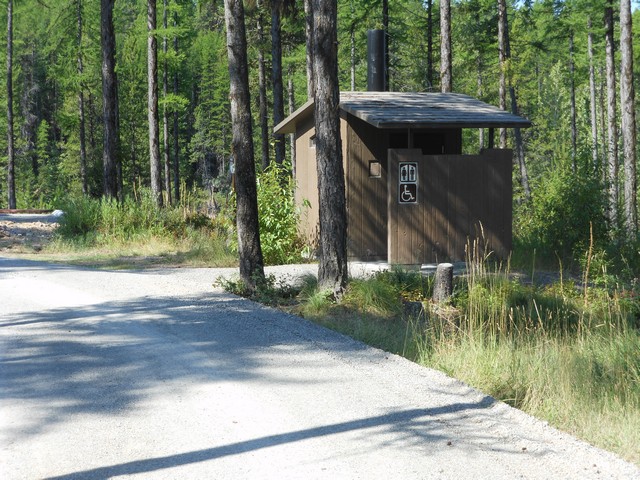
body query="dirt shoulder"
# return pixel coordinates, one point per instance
(26, 232)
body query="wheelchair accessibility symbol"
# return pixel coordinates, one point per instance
(408, 183)
(408, 193)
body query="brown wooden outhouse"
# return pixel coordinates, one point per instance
(412, 196)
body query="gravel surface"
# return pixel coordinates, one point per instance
(157, 374)
(26, 232)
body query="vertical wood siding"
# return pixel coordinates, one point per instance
(366, 196)
(461, 198)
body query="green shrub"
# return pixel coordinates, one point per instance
(566, 208)
(110, 219)
(82, 215)
(278, 217)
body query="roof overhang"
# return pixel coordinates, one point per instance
(399, 110)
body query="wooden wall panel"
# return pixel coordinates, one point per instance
(307, 180)
(367, 196)
(462, 198)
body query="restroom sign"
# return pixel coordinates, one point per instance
(408, 182)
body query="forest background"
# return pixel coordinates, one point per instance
(557, 68)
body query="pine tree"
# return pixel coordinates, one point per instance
(11, 181)
(332, 271)
(249, 249)
(627, 105)
(152, 76)
(109, 100)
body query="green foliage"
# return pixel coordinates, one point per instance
(374, 295)
(278, 217)
(271, 291)
(567, 209)
(108, 220)
(82, 216)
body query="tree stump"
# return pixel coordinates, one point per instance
(443, 282)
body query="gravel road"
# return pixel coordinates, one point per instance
(157, 374)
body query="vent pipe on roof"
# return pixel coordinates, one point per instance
(375, 61)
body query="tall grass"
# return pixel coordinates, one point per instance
(565, 352)
(104, 230)
(569, 354)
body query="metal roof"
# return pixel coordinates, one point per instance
(414, 110)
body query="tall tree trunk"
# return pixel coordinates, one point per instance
(479, 92)
(352, 40)
(176, 140)
(602, 119)
(592, 99)
(430, 44)
(446, 80)
(572, 87)
(308, 27)
(502, 54)
(276, 77)
(479, 70)
(81, 113)
(517, 135)
(30, 111)
(152, 78)
(292, 137)
(387, 37)
(249, 250)
(627, 106)
(262, 92)
(165, 113)
(109, 100)
(332, 271)
(11, 180)
(612, 128)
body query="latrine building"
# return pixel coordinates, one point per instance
(412, 196)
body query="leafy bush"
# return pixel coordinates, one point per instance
(82, 215)
(278, 217)
(565, 207)
(109, 219)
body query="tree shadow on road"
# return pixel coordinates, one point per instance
(404, 420)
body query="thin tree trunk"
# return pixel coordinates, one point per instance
(109, 100)
(446, 81)
(249, 250)
(308, 13)
(152, 77)
(430, 44)
(387, 37)
(627, 105)
(276, 77)
(332, 270)
(592, 98)
(479, 90)
(165, 114)
(517, 135)
(292, 137)
(176, 143)
(262, 92)
(352, 40)
(602, 118)
(572, 87)
(30, 113)
(81, 113)
(502, 53)
(92, 123)
(480, 94)
(612, 128)
(11, 180)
